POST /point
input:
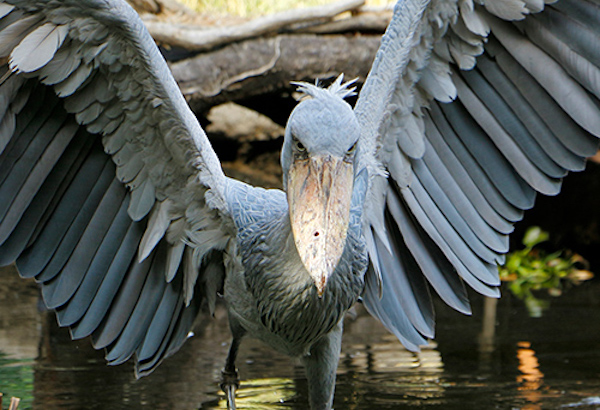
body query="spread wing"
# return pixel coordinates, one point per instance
(471, 107)
(102, 160)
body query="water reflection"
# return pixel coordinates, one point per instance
(487, 337)
(531, 378)
(262, 393)
(499, 358)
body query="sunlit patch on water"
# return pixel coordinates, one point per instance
(266, 393)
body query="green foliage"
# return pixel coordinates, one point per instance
(532, 269)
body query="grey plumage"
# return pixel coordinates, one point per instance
(161, 322)
(488, 158)
(30, 221)
(141, 316)
(77, 227)
(489, 234)
(71, 312)
(521, 140)
(570, 135)
(61, 290)
(35, 258)
(112, 198)
(437, 270)
(467, 173)
(111, 283)
(528, 117)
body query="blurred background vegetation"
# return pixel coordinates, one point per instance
(249, 8)
(533, 269)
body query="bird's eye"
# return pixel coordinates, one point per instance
(352, 148)
(300, 146)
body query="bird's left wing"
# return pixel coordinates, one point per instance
(471, 107)
(111, 195)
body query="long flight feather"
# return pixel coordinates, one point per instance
(483, 203)
(111, 283)
(549, 74)
(513, 154)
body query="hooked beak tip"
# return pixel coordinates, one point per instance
(320, 285)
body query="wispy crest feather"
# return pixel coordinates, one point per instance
(337, 88)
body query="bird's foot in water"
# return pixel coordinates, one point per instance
(230, 382)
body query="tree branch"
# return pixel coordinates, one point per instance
(195, 39)
(160, 6)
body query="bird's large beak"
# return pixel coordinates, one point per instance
(319, 196)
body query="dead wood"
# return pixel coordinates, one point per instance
(362, 22)
(145, 6)
(262, 56)
(194, 38)
(160, 6)
(267, 65)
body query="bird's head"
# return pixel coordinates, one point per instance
(318, 160)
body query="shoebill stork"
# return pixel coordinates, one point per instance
(114, 201)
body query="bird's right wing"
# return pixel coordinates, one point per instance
(471, 107)
(111, 196)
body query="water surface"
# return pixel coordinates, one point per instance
(498, 358)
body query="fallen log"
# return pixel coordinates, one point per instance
(267, 65)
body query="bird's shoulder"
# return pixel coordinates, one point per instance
(251, 207)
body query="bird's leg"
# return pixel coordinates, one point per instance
(230, 381)
(321, 365)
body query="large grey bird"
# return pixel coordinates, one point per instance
(113, 199)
